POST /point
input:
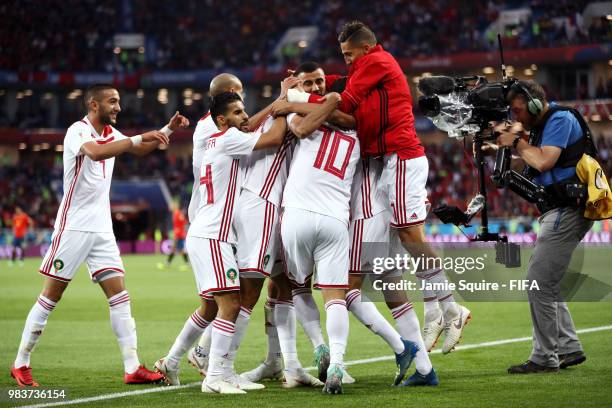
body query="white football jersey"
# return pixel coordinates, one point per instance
(220, 180)
(321, 172)
(368, 195)
(86, 202)
(266, 170)
(204, 129)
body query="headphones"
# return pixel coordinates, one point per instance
(534, 105)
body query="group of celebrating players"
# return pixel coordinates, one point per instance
(297, 188)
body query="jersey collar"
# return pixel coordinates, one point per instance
(108, 130)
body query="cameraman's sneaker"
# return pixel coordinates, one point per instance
(404, 359)
(265, 371)
(242, 383)
(454, 329)
(170, 376)
(433, 326)
(220, 386)
(23, 376)
(198, 360)
(333, 385)
(143, 376)
(321, 361)
(417, 379)
(299, 378)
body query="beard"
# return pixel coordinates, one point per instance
(106, 119)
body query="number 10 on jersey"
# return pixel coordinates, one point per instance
(334, 145)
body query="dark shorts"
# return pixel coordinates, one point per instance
(179, 244)
(18, 242)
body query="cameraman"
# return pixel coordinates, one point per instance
(553, 132)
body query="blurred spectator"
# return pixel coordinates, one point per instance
(77, 35)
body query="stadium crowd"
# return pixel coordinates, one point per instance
(193, 35)
(35, 182)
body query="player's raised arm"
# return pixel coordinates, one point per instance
(337, 117)
(304, 126)
(98, 152)
(176, 121)
(274, 136)
(258, 118)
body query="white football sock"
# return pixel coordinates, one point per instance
(430, 298)
(308, 314)
(337, 324)
(34, 326)
(125, 329)
(241, 325)
(194, 326)
(445, 297)
(274, 351)
(409, 328)
(284, 316)
(367, 313)
(203, 347)
(221, 341)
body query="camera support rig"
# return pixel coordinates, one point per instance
(488, 101)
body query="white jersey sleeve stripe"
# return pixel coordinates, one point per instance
(229, 203)
(58, 237)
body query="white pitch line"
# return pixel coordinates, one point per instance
(348, 363)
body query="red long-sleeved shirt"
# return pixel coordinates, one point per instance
(377, 94)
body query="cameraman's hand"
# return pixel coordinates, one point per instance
(505, 139)
(488, 148)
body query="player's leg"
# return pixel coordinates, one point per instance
(172, 252)
(308, 314)
(255, 223)
(271, 367)
(198, 355)
(16, 246)
(368, 237)
(67, 251)
(193, 328)
(124, 327)
(106, 268)
(181, 246)
(406, 181)
(223, 330)
(217, 272)
(331, 256)
(297, 235)
(34, 326)
(21, 251)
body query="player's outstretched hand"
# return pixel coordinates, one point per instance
(155, 136)
(287, 84)
(178, 121)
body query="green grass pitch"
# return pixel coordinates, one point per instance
(78, 350)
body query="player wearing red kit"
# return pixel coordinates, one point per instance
(179, 224)
(376, 83)
(21, 222)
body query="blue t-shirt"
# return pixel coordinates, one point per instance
(561, 130)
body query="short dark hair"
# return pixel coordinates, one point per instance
(357, 33)
(306, 67)
(220, 103)
(535, 90)
(94, 91)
